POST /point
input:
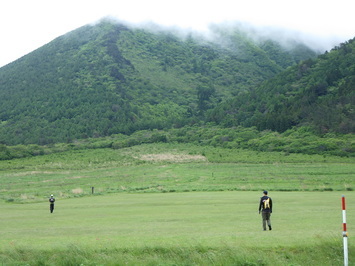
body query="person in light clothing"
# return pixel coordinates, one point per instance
(265, 207)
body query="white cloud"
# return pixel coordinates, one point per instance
(27, 25)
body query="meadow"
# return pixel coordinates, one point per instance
(165, 204)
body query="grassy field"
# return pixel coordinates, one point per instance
(170, 168)
(199, 228)
(174, 205)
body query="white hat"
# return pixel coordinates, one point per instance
(52, 195)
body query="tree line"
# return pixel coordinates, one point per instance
(296, 140)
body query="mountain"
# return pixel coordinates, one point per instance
(110, 78)
(317, 92)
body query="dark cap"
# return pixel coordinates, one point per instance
(265, 192)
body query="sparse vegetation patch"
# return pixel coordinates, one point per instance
(174, 158)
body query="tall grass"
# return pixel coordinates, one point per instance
(326, 253)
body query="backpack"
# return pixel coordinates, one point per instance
(267, 203)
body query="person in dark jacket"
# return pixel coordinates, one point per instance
(51, 203)
(265, 207)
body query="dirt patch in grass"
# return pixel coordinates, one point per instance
(169, 157)
(29, 173)
(77, 191)
(75, 177)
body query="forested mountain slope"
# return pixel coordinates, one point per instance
(317, 92)
(109, 78)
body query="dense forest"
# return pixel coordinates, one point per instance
(318, 92)
(109, 78)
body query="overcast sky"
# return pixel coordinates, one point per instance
(28, 24)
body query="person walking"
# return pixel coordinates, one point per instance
(51, 203)
(265, 207)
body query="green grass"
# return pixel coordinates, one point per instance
(178, 228)
(207, 215)
(175, 168)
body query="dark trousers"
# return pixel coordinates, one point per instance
(51, 207)
(266, 219)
